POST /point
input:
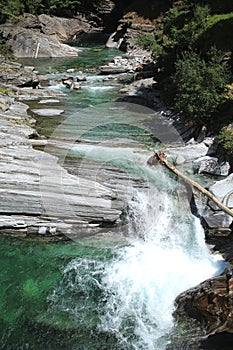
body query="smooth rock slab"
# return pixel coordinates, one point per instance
(224, 190)
(38, 196)
(48, 112)
(189, 152)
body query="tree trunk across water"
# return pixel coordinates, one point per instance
(161, 158)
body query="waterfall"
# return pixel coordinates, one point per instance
(167, 255)
(131, 293)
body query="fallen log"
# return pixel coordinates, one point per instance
(161, 158)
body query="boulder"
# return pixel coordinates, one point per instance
(216, 219)
(27, 43)
(224, 190)
(68, 82)
(43, 36)
(63, 29)
(211, 165)
(81, 78)
(13, 73)
(115, 39)
(210, 303)
(213, 216)
(189, 152)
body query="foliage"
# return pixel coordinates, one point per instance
(148, 42)
(12, 8)
(193, 75)
(3, 91)
(226, 139)
(199, 85)
(183, 27)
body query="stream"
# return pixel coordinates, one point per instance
(115, 291)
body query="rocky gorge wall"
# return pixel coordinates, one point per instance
(44, 36)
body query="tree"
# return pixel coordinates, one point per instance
(199, 85)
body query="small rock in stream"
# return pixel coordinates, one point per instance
(46, 112)
(48, 101)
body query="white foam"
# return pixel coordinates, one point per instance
(147, 276)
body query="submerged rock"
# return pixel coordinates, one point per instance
(48, 112)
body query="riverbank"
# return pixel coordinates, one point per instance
(29, 178)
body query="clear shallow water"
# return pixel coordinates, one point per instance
(85, 295)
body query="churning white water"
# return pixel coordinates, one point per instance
(167, 255)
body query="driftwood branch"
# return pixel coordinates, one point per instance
(161, 158)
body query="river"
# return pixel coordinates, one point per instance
(112, 293)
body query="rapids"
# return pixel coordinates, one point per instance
(99, 294)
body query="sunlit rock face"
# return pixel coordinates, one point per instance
(43, 36)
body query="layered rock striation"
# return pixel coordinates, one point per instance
(43, 36)
(38, 196)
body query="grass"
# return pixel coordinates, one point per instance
(211, 20)
(217, 33)
(3, 91)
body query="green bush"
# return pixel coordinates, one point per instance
(226, 139)
(12, 8)
(199, 85)
(148, 42)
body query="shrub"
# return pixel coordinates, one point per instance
(199, 85)
(226, 139)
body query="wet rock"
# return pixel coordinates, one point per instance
(80, 78)
(216, 219)
(224, 190)
(48, 112)
(210, 303)
(211, 165)
(113, 69)
(141, 91)
(38, 196)
(179, 160)
(68, 82)
(76, 87)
